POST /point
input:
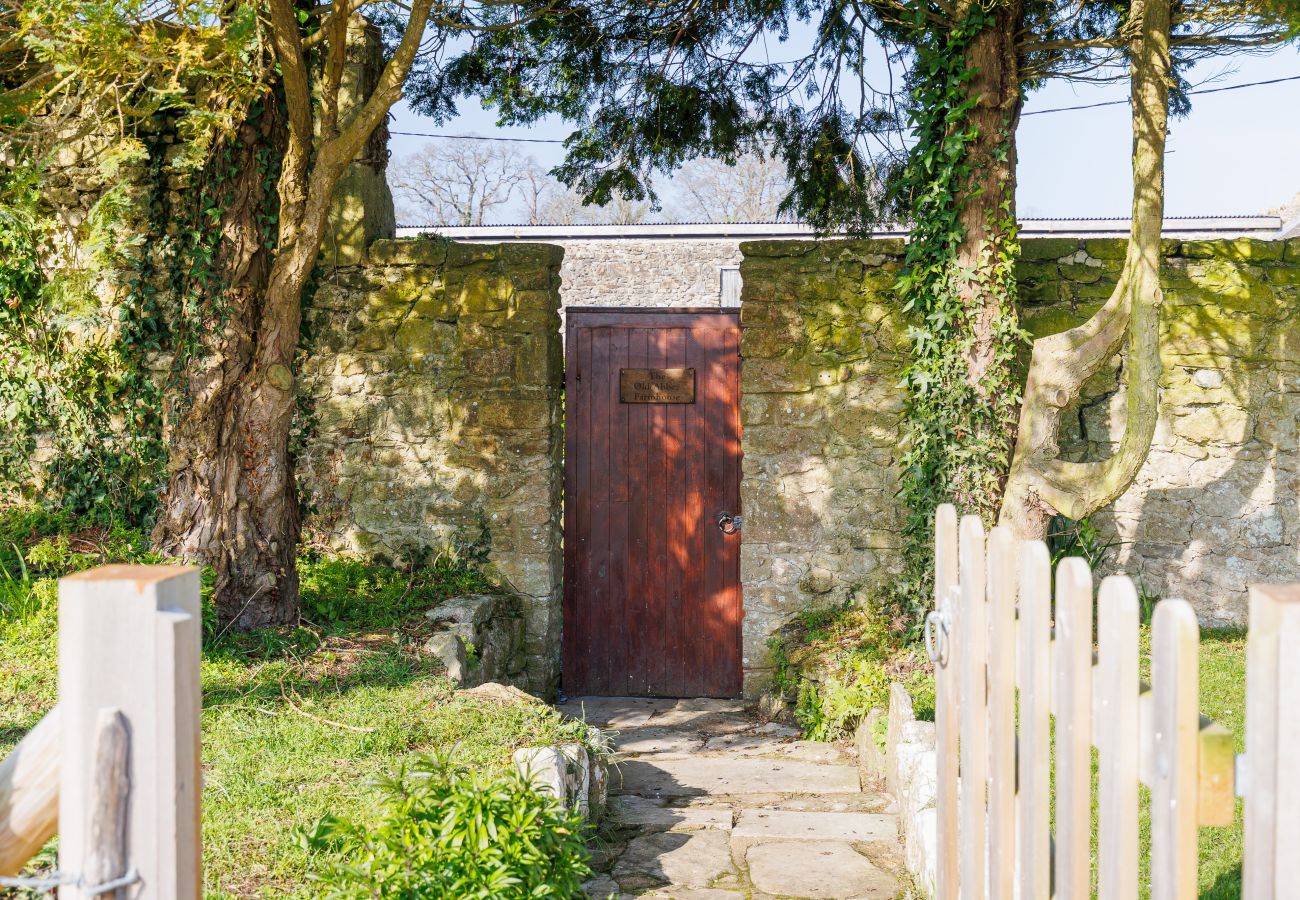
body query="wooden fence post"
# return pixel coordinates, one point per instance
(1073, 687)
(110, 793)
(1271, 867)
(1175, 638)
(129, 640)
(946, 702)
(29, 794)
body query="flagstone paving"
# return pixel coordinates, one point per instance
(708, 803)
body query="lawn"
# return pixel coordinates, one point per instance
(296, 721)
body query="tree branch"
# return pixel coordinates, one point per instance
(1040, 484)
(293, 69)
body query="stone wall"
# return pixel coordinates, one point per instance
(434, 385)
(645, 272)
(820, 408)
(1213, 509)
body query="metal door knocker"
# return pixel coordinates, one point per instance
(727, 523)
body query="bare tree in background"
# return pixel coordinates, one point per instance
(751, 190)
(540, 195)
(461, 182)
(1289, 211)
(465, 182)
(546, 201)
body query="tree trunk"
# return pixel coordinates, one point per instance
(990, 202)
(230, 501)
(1042, 485)
(986, 214)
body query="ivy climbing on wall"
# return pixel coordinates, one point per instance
(959, 427)
(96, 346)
(77, 403)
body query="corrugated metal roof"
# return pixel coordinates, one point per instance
(1263, 227)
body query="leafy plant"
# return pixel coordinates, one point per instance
(1147, 601)
(337, 588)
(1068, 537)
(831, 708)
(446, 832)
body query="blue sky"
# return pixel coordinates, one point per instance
(1237, 153)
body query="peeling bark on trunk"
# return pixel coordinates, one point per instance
(1042, 485)
(230, 501)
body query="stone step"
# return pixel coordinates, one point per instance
(642, 812)
(829, 869)
(755, 825)
(696, 776)
(700, 859)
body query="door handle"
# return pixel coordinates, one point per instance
(727, 523)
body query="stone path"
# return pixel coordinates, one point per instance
(707, 803)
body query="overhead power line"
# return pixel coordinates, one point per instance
(1124, 102)
(1036, 112)
(478, 137)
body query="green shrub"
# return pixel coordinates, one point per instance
(339, 589)
(832, 708)
(445, 832)
(1070, 537)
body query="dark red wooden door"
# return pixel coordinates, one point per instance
(652, 603)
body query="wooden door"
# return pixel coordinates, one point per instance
(652, 602)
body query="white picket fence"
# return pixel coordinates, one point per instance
(113, 769)
(1006, 668)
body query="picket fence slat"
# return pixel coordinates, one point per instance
(1073, 729)
(1033, 804)
(1117, 738)
(972, 637)
(1271, 866)
(1001, 608)
(946, 701)
(1174, 692)
(1020, 690)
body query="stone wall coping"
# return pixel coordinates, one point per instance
(1045, 249)
(439, 251)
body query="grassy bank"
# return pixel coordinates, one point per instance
(296, 721)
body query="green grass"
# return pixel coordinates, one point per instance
(296, 721)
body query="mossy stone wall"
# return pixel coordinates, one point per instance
(1214, 508)
(821, 409)
(433, 386)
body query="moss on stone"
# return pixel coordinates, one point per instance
(772, 249)
(424, 251)
(1080, 273)
(460, 254)
(1048, 248)
(1234, 249)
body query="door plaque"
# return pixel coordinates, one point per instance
(656, 385)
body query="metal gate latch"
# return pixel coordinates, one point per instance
(728, 523)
